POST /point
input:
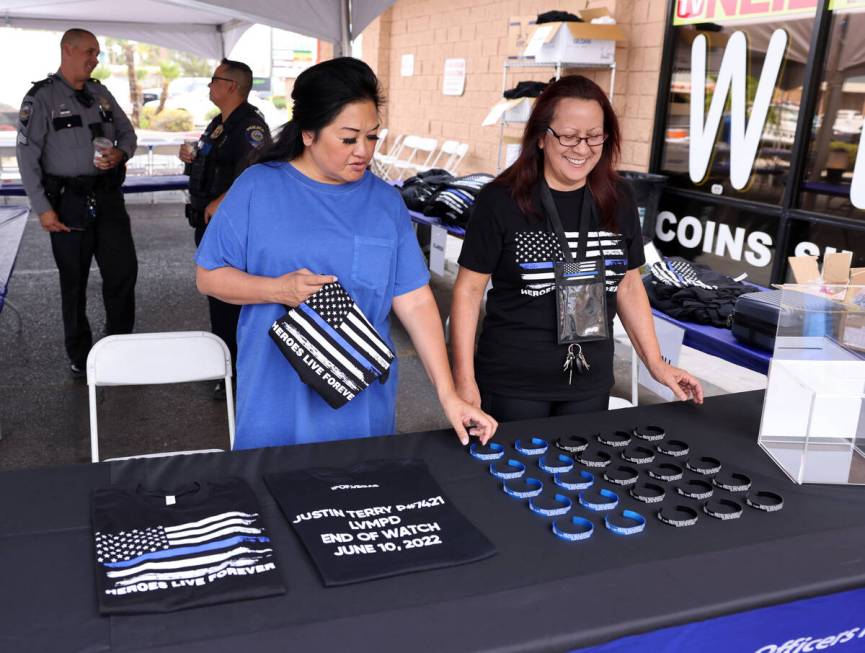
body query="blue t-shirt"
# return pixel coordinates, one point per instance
(275, 220)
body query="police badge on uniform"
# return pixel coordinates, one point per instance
(216, 133)
(255, 135)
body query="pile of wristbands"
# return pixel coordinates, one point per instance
(613, 481)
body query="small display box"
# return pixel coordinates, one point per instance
(813, 423)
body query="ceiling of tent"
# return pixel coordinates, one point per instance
(209, 28)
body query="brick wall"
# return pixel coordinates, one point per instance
(476, 30)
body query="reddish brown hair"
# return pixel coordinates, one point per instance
(523, 175)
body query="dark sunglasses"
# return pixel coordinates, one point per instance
(224, 79)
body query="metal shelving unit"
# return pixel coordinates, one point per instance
(559, 67)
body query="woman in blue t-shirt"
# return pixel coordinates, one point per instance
(570, 146)
(308, 214)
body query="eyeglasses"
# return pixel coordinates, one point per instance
(573, 141)
(224, 79)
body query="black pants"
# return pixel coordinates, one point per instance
(109, 239)
(510, 409)
(223, 316)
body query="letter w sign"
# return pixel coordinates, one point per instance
(732, 79)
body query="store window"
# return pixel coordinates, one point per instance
(735, 146)
(832, 175)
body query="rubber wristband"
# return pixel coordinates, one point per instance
(733, 482)
(638, 455)
(648, 492)
(622, 474)
(492, 451)
(724, 509)
(573, 529)
(572, 444)
(679, 516)
(599, 501)
(561, 463)
(674, 448)
(638, 526)
(598, 459)
(650, 433)
(765, 501)
(568, 481)
(535, 447)
(706, 465)
(534, 484)
(695, 489)
(616, 439)
(666, 472)
(507, 469)
(564, 504)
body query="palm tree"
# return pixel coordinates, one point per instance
(169, 72)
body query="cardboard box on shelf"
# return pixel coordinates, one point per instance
(519, 30)
(570, 42)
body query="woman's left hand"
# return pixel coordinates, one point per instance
(468, 420)
(683, 385)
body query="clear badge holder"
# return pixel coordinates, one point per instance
(580, 287)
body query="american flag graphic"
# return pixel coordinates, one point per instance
(186, 551)
(538, 251)
(337, 337)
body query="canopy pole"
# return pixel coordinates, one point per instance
(345, 29)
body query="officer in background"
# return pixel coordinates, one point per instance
(75, 189)
(223, 151)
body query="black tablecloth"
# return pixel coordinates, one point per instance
(538, 593)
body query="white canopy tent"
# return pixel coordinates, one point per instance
(208, 28)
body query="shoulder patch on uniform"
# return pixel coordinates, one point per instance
(95, 81)
(24, 114)
(104, 104)
(41, 83)
(255, 135)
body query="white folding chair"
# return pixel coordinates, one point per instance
(414, 145)
(455, 153)
(381, 161)
(156, 358)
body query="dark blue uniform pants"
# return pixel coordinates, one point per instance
(109, 239)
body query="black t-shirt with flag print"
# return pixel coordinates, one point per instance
(161, 550)
(518, 354)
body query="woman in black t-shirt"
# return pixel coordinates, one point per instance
(571, 142)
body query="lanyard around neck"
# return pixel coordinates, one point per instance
(552, 214)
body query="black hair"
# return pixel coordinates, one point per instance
(320, 93)
(241, 70)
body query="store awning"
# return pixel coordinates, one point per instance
(208, 28)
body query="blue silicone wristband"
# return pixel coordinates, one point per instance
(537, 486)
(512, 469)
(598, 507)
(588, 481)
(563, 464)
(496, 451)
(584, 524)
(538, 447)
(564, 506)
(640, 523)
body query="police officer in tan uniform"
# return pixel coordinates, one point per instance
(76, 193)
(224, 150)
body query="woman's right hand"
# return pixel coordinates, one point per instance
(296, 287)
(467, 390)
